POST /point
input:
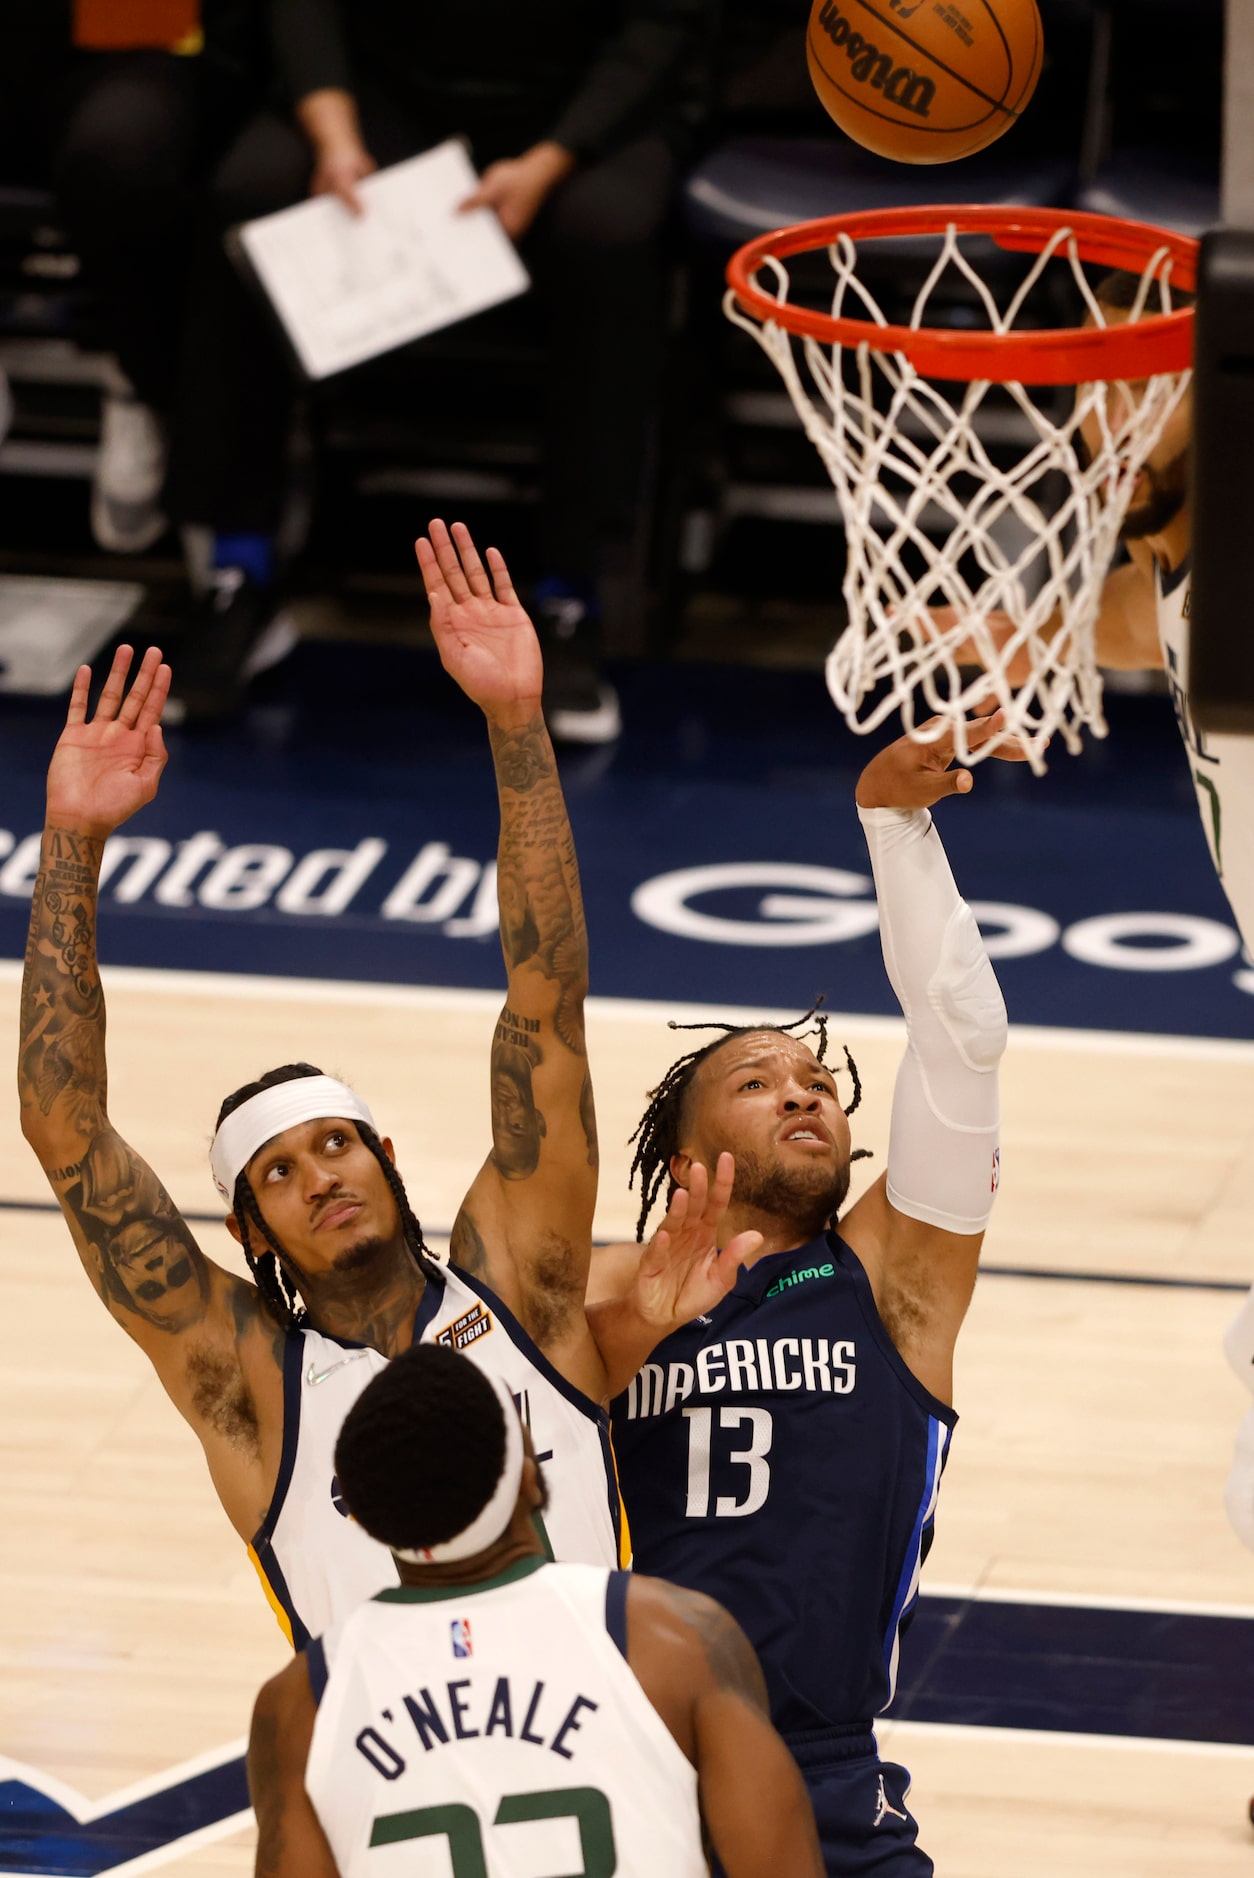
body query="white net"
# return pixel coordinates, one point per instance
(974, 570)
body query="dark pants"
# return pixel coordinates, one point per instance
(594, 255)
(865, 1827)
(138, 135)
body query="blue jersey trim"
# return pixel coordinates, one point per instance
(937, 1450)
(616, 1609)
(1171, 578)
(269, 1565)
(316, 1664)
(293, 1360)
(428, 1304)
(535, 1355)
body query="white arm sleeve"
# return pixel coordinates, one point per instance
(943, 1154)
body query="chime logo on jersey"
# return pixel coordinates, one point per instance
(459, 1631)
(466, 1329)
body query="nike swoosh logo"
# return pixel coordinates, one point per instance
(314, 1376)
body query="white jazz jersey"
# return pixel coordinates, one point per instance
(1222, 765)
(315, 1563)
(497, 1729)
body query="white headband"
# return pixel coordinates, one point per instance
(498, 1512)
(263, 1116)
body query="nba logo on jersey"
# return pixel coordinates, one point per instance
(459, 1631)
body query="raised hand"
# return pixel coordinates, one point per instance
(910, 775)
(485, 638)
(1001, 629)
(682, 1273)
(104, 769)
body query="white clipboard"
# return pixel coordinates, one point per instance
(349, 287)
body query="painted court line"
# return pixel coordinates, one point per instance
(1059, 1737)
(257, 987)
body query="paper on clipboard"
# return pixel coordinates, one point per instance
(349, 287)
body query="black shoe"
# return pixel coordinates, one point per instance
(580, 704)
(235, 631)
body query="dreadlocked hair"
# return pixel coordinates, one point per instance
(421, 1449)
(269, 1272)
(659, 1129)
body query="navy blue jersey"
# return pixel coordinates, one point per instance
(780, 1456)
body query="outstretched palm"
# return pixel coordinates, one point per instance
(485, 638)
(102, 771)
(682, 1272)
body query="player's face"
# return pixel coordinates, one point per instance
(769, 1100)
(323, 1195)
(1162, 485)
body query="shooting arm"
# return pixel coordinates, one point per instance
(290, 1839)
(919, 1230)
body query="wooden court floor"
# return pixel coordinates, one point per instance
(1096, 1424)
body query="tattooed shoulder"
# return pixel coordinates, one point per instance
(728, 1651)
(465, 1247)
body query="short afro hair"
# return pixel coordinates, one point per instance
(421, 1449)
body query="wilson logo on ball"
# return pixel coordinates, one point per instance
(900, 84)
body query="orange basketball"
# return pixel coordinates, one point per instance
(925, 81)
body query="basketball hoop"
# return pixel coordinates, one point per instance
(950, 550)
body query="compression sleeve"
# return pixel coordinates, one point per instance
(943, 1154)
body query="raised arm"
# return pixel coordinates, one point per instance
(525, 1226)
(699, 1670)
(919, 1229)
(1125, 631)
(187, 1315)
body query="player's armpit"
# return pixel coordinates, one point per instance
(290, 1839)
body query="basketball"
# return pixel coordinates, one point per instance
(924, 81)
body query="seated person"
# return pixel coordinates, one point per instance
(573, 118)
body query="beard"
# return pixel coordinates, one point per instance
(805, 1199)
(1168, 491)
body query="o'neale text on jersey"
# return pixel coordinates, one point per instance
(439, 1719)
(741, 1366)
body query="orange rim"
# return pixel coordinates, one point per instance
(1068, 355)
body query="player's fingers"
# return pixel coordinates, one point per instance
(501, 581)
(449, 564)
(114, 685)
(472, 566)
(958, 782)
(154, 703)
(721, 1186)
(698, 1187)
(135, 699)
(676, 1213)
(739, 1250)
(77, 713)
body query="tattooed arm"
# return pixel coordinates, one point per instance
(200, 1326)
(526, 1224)
(700, 1672)
(290, 1839)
